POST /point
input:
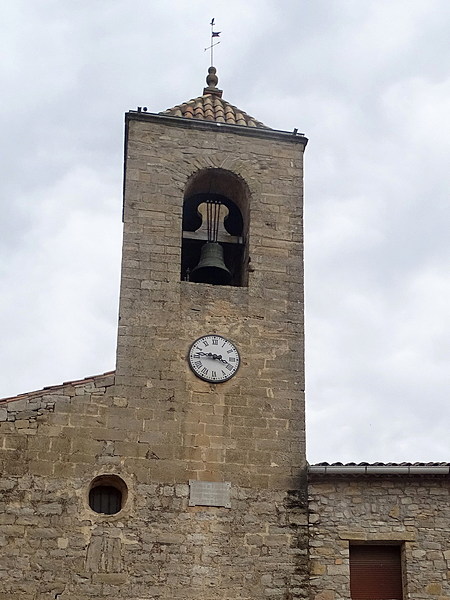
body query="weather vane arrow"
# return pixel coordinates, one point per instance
(214, 34)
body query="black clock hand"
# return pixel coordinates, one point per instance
(219, 357)
(209, 354)
(213, 356)
(222, 360)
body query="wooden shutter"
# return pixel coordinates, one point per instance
(375, 572)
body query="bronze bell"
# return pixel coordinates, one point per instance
(211, 267)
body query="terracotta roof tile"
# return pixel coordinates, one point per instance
(381, 464)
(211, 107)
(377, 469)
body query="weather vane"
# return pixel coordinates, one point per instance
(214, 34)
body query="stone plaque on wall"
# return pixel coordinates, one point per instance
(209, 493)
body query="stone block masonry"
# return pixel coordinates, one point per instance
(52, 545)
(153, 425)
(141, 434)
(249, 430)
(411, 512)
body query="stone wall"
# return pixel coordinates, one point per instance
(249, 430)
(411, 511)
(155, 424)
(52, 545)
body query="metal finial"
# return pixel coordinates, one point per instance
(212, 80)
(214, 34)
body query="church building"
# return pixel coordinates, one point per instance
(182, 474)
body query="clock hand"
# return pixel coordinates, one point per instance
(219, 357)
(213, 356)
(209, 354)
(222, 360)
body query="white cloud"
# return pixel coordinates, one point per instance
(369, 85)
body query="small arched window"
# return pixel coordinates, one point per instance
(215, 229)
(107, 494)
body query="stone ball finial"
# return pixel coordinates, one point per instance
(212, 80)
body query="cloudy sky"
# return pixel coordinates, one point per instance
(368, 82)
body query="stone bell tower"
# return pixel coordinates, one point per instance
(210, 342)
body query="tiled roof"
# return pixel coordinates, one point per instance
(211, 107)
(382, 464)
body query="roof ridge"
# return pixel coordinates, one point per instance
(381, 464)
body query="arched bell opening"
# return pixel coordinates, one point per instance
(215, 228)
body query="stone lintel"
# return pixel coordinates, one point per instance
(382, 536)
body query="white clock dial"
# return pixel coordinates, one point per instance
(214, 358)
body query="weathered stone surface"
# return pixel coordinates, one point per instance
(413, 512)
(156, 425)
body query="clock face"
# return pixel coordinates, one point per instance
(213, 358)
